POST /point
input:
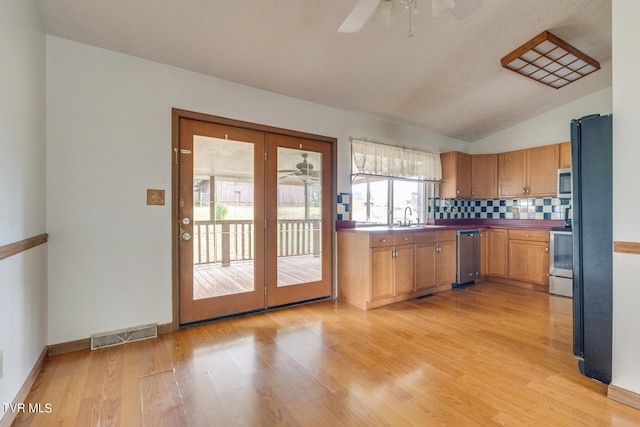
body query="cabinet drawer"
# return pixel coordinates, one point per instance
(382, 239)
(404, 238)
(426, 237)
(532, 235)
(447, 236)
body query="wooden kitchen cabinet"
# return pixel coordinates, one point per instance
(542, 170)
(484, 176)
(375, 268)
(528, 173)
(565, 155)
(498, 252)
(435, 260)
(512, 174)
(456, 175)
(426, 249)
(484, 252)
(381, 273)
(392, 264)
(446, 259)
(529, 257)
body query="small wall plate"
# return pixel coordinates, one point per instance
(155, 197)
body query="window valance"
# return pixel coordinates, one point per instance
(374, 158)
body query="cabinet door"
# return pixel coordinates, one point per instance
(498, 252)
(484, 252)
(381, 273)
(425, 265)
(529, 262)
(464, 176)
(403, 264)
(456, 175)
(512, 173)
(484, 176)
(542, 167)
(565, 155)
(446, 263)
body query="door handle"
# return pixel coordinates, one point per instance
(186, 236)
(185, 221)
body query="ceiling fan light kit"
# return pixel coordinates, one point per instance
(550, 61)
(381, 11)
(438, 7)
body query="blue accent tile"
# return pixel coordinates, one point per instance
(547, 201)
(547, 216)
(503, 202)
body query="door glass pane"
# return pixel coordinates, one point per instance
(299, 245)
(223, 214)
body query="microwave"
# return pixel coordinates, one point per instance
(564, 183)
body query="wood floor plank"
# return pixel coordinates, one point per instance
(487, 354)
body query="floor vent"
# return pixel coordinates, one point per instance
(121, 336)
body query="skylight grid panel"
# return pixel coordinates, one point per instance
(549, 60)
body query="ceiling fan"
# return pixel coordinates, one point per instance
(381, 11)
(304, 171)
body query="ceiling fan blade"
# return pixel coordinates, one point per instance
(465, 8)
(358, 16)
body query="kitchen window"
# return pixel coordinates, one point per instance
(391, 184)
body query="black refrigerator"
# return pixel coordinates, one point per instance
(592, 188)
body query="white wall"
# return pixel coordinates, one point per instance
(626, 158)
(23, 281)
(109, 139)
(549, 128)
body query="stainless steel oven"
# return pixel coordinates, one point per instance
(561, 261)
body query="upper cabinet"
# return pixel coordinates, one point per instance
(512, 174)
(529, 173)
(456, 175)
(542, 170)
(565, 155)
(523, 173)
(484, 176)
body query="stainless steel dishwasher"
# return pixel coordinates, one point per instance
(468, 256)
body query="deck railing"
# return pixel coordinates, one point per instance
(226, 241)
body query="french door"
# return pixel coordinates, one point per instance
(253, 219)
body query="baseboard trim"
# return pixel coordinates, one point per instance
(10, 416)
(69, 347)
(84, 344)
(624, 396)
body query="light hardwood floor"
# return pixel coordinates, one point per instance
(487, 354)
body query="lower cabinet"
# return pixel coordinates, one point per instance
(529, 257)
(391, 271)
(435, 264)
(380, 268)
(498, 252)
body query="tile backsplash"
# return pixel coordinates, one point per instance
(530, 208)
(344, 206)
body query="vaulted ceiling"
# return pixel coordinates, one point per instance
(446, 78)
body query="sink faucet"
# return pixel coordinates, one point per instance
(405, 214)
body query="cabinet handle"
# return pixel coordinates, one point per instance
(527, 235)
(382, 240)
(524, 190)
(546, 249)
(405, 239)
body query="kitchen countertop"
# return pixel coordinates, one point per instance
(460, 224)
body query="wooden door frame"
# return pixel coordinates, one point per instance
(178, 114)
